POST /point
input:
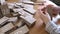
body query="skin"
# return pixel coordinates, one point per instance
(55, 10)
(44, 16)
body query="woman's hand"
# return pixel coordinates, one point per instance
(44, 16)
(52, 10)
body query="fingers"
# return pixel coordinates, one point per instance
(41, 14)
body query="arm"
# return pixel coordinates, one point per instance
(51, 27)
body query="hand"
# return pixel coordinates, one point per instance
(54, 10)
(45, 17)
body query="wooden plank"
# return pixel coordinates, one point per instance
(3, 20)
(22, 12)
(29, 8)
(21, 30)
(10, 5)
(13, 19)
(6, 27)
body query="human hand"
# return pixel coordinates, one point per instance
(53, 10)
(44, 16)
